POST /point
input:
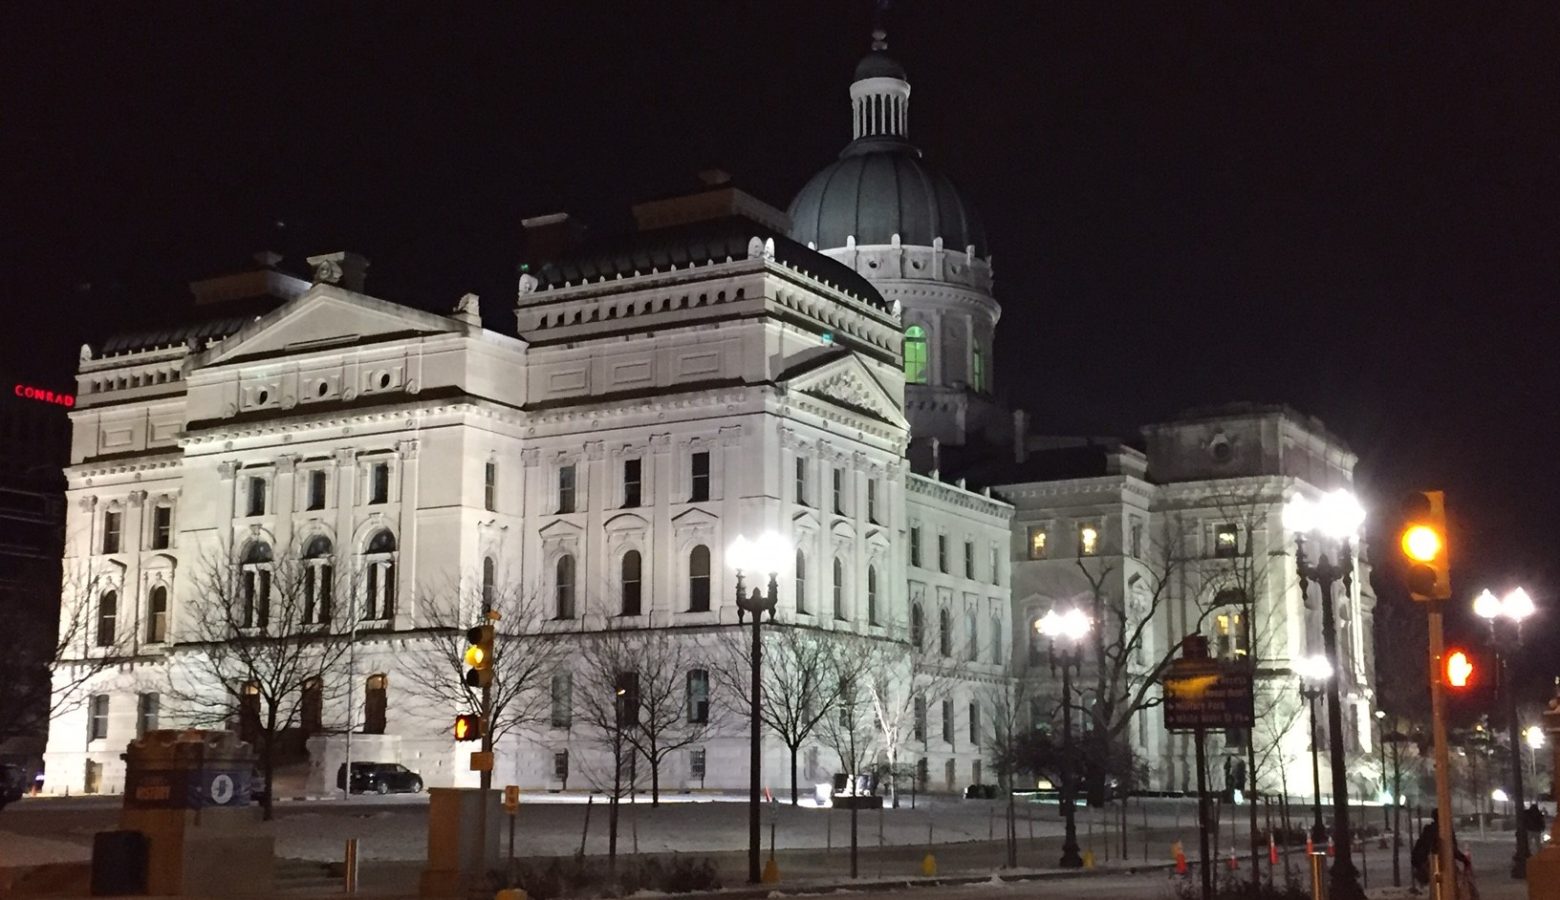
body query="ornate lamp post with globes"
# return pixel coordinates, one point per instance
(1513, 609)
(1314, 672)
(1069, 629)
(765, 554)
(1332, 523)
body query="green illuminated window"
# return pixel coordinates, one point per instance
(915, 354)
(978, 371)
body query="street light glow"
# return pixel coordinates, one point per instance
(1516, 606)
(1071, 625)
(1519, 605)
(1535, 737)
(1486, 605)
(1499, 795)
(1338, 514)
(1314, 669)
(766, 554)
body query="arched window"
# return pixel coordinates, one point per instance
(699, 579)
(915, 355)
(319, 577)
(944, 633)
(376, 704)
(632, 579)
(563, 587)
(379, 576)
(157, 615)
(108, 615)
(255, 585)
(872, 595)
(839, 589)
(801, 582)
(489, 578)
(917, 626)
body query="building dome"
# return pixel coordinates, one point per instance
(880, 187)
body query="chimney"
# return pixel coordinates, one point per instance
(345, 268)
(549, 237)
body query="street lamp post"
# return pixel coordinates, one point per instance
(1514, 608)
(1314, 672)
(763, 554)
(1068, 628)
(1333, 521)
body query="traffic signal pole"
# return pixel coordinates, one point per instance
(1445, 883)
(485, 778)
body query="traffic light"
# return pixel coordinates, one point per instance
(479, 656)
(1459, 669)
(1427, 568)
(468, 727)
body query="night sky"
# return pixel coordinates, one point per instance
(1353, 212)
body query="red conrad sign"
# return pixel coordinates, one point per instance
(43, 395)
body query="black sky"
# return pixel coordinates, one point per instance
(1351, 211)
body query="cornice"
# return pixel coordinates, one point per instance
(957, 496)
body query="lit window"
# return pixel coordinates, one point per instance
(1037, 538)
(1088, 540)
(978, 370)
(915, 355)
(1230, 635)
(1226, 541)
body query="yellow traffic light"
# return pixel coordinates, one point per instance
(468, 727)
(479, 656)
(1427, 570)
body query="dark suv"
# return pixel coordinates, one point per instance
(380, 778)
(13, 783)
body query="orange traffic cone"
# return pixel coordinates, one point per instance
(1272, 852)
(1310, 845)
(1234, 863)
(1180, 858)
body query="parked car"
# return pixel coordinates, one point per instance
(13, 783)
(380, 778)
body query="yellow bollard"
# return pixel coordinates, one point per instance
(1088, 859)
(771, 872)
(929, 865)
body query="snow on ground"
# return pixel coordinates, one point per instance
(28, 850)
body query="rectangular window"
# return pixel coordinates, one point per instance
(698, 696)
(974, 724)
(996, 565)
(699, 486)
(256, 497)
(631, 483)
(872, 500)
(969, 560)
(379, 483)
(1226, 541)
(97, 718)
(146, 708)
(1037, 542)
(942, 553)
(566, 489)
(490, 486)
(561, 766)
(915, 546)
(316, 498)
(1137, 537)
(562, 700)
(839, 491)
(696, 764)
(627, 699)
(1088, 540)
(801, 481)
(920, 720)
(1230, 635)
(112, 524)
(162, 527)
(947, 721)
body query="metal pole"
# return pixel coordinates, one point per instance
(1520, 858)
(1445, 881)
(350, 867)
(1070, 858)
(1345, 878)
(1202, 816)
(754, 754)
(512, 817)
(1318, 830)
(1397, 811)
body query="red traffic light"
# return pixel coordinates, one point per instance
(1459, 669)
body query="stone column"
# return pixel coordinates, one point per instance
(662, 482)
(406, 557)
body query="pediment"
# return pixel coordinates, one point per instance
(694, 516)
(846, 382)
(326, 316)
(559, 528)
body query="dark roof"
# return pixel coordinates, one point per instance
(225, 319)
(712, 240)
(880, 187)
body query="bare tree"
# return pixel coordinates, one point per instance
(798, 686)
(906, 679)
(852, 729)
(525, 655)
(47, 657)
(263, 642)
